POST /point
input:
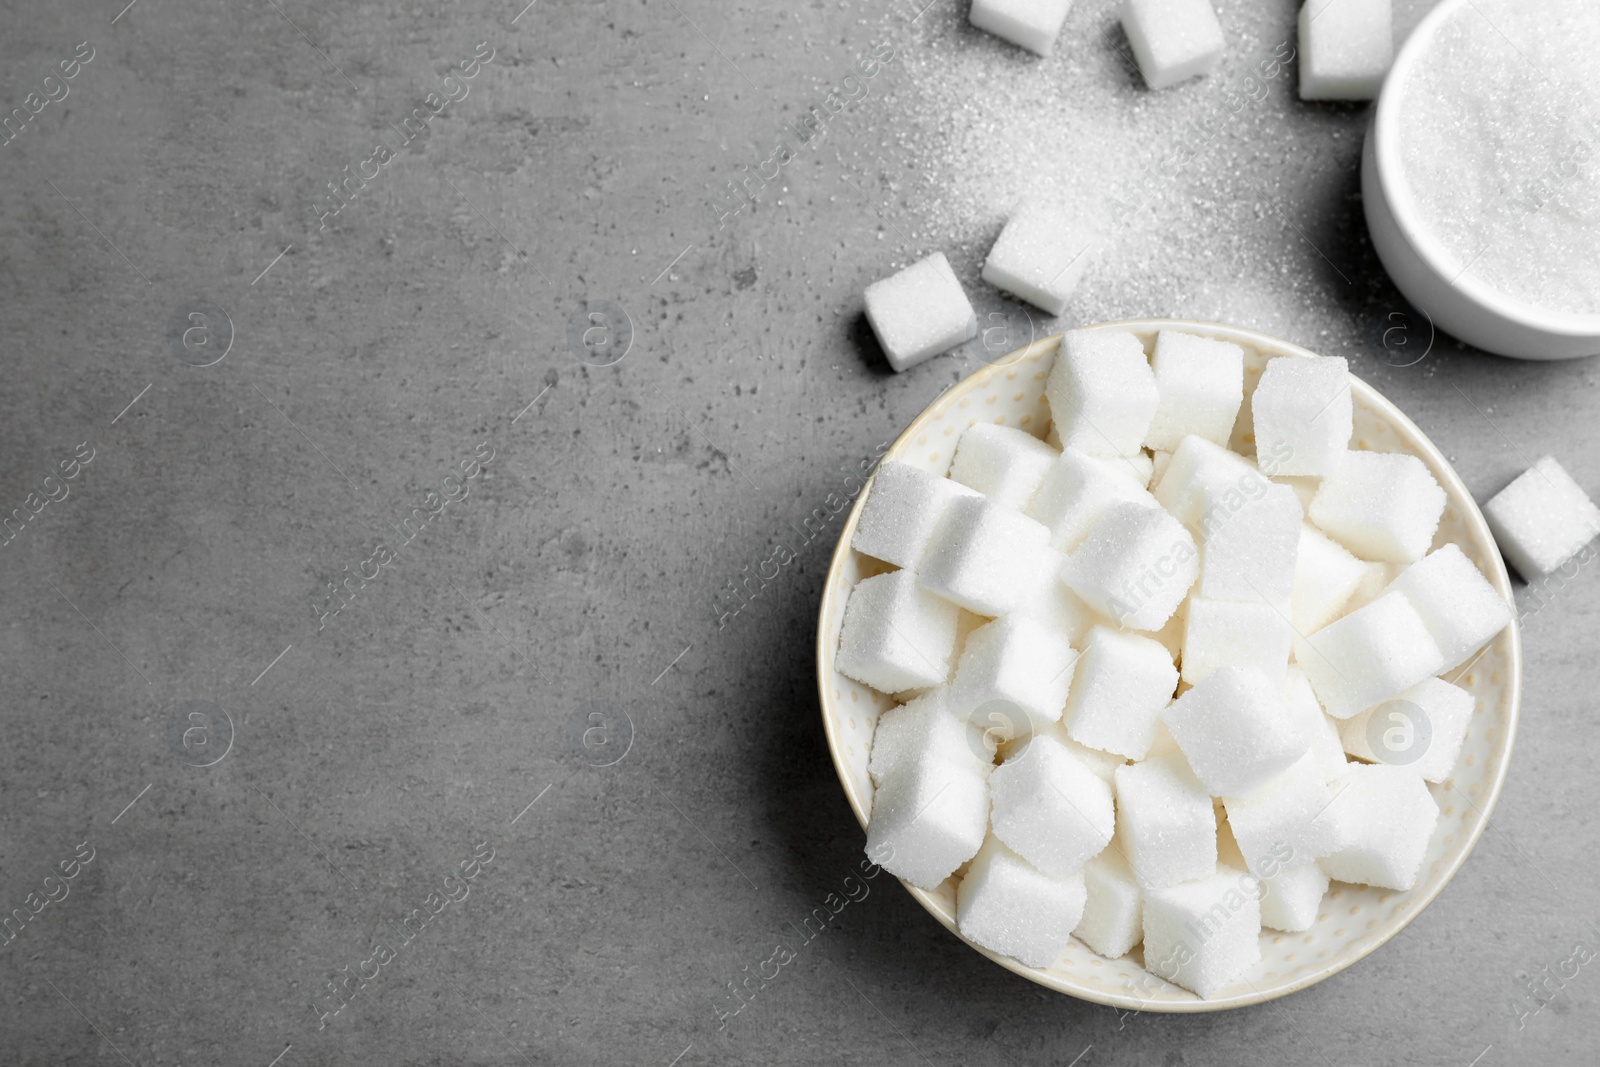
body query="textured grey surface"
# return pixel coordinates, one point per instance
(579, 574)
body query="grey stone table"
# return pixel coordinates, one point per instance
(374, 642)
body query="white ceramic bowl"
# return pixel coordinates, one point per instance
(1355, 920)
(1418, 263)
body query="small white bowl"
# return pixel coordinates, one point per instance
(1417, 261)
(1355, 919)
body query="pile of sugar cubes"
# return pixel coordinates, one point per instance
(1133, 664)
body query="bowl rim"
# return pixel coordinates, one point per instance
(1456, 493)
(1408, 220)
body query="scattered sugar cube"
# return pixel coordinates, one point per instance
(1136, 565)
(1050, 602)
(1122, 684)
(896, 636)
(1382, 506)
(1008, 907)
(1030, 24)
(1249, 546)
(1458, 605)
(1291, 898)
(1102, 392)
(1542, 519)
(1218, 633)
(920, 312)
(1004, 464)
(1325, 574)
(1312, 725)
(1233, 731)
(1076, 491)
(1173, 40)
(927, 725)
(1200, 470)
(1420, 730)
(1283, 823)
(1165, 820)
(1345, 49)
(1374, 653)
(1045, 246)
(1200, 382)
(903, 508)
(1113, 909)
(1013, 676)
(1206, 933)
(928, 818)
(1050, 809)
(1383, 818)
(1303, 415)
(982, 556)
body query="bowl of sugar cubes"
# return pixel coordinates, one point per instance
(1168, 665)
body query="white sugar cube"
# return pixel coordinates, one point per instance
(1291, 898)
(1159, 460)
(1375, 581)
(920, 312)
(1121, 685)
(1325, 574)
(1250, 545)
(1382, 506)
(1200, 470)
(1200, 382)
(1219, 633)
(1165, 820)
(1542, 519)
(1284, 822)
(1303, 414)
(1113, 909)
(1206, 933)
(1173, 40)
(1050, 809)
(1102, 392)
(1003, 463)
(1013, 676)
(1140, 467)
(1007, 906)
(896, 636)
(1135, 566)
(1374, 653)
(928, 818)
(1076, 491)
(1233, 731)
(1312, 725)
(1030, 24)
(1383, 818)
(1050, 602)
(1420, 730)
(1103, 764)
(1046, 245)
(903, 508)
(982, 556)
(927, 725)
(1457, 604)
(1345, 49)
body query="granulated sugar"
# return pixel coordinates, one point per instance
(1186, 186)
(1499, 125)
